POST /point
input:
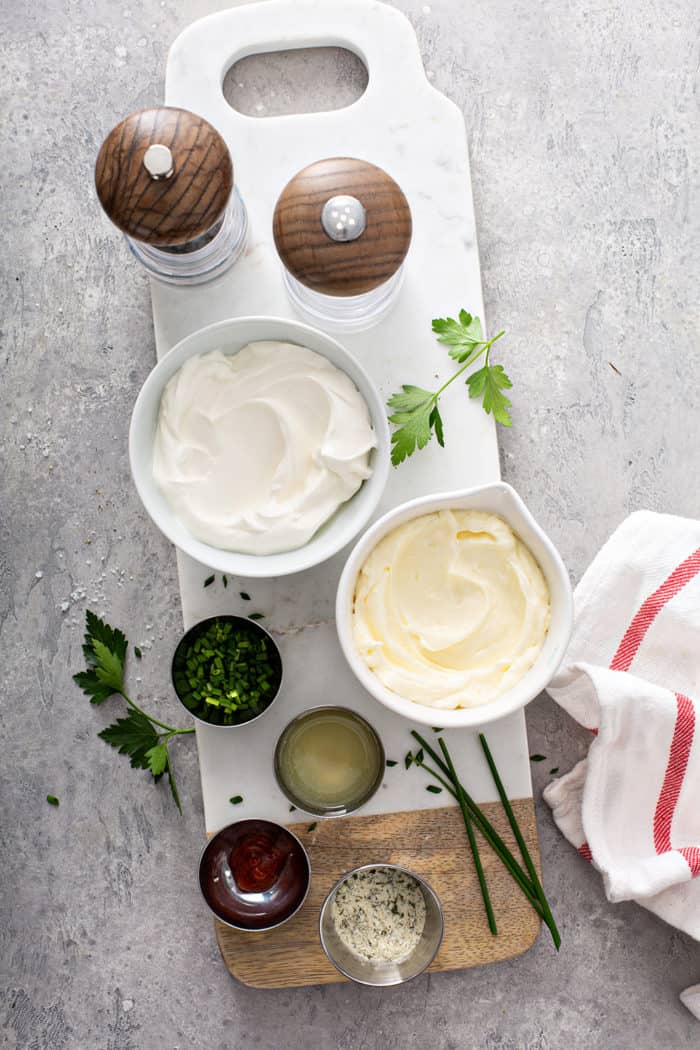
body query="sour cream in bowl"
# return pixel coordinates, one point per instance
(455, 609)
(259, 446)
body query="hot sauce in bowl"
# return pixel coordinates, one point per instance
(254, 874)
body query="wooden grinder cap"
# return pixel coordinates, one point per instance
(164, 176)
(315, 242)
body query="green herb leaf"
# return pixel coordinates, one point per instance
(434, 789)
(137, 652)
(488, 382)
(236, 800)
(419, 757)
(412, 414)
(173, 787)
(98, 630)
(312, 827)
(437, 729)
(245, 596)
(537, 758)
(104, 649)
(209, 580)
(292, 809)
(256, 616)
(224, 579)
(408, 760)
(414, 410)
(157, 759)
(436, 424)
(554, 771)
(134, 736)
(52, 800)
(391, 762)
(462, 336)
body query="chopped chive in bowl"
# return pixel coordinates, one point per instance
(226, 670)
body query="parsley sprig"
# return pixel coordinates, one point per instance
(139, 735)
(415, 412)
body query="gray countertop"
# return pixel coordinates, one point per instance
(582, 123)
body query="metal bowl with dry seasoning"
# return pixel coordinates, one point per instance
(381, 925)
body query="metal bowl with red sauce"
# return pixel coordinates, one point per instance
(254, 875)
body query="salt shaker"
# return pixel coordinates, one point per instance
(165, 178)
(342, 228)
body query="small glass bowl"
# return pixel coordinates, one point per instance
(188, 639)
(337, 809)
(383, 974)
(260, 910)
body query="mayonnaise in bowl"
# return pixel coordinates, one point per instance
(451, 609)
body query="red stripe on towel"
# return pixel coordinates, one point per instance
(673, 781)
(650, 609)
(585, 851)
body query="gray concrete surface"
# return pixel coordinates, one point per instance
(583, 126)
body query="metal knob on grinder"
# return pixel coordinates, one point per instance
(165, 178)
(342, 228)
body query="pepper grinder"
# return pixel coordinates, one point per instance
(342, 228)
(165, 178)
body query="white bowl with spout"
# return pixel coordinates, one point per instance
(498, 498)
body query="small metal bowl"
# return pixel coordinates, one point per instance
(383, 974)
(190, 636)
(337, 809)
(254, 911)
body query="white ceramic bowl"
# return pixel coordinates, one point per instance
(231, 336)
(500, 499)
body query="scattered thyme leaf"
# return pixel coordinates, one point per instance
(554, 771)
(224, 580)
(137, 652)
(408, 760)
(209, 580)
(256, 616)
(52, 800)
(437, 729)
(537, 758)
(245, 596)
(391, 762)
(236, 800)
(433, 789)
(312, 827)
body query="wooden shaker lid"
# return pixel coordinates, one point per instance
(349, 248)
(164, 176)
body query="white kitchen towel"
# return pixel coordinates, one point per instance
(632, 676)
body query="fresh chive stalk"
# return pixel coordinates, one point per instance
(472, 840)
(515, 827)
(534, 893)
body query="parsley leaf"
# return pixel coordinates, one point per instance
(413, 415)
(414, 411)
(134, 736)
(158, 759)
(488, 383)
(462, 336)
(52, 800)
(104, 649)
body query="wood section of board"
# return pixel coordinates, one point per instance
(432, 843)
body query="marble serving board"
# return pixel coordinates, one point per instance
(404, 125)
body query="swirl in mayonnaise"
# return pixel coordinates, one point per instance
(255, 450)
(451, 609)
